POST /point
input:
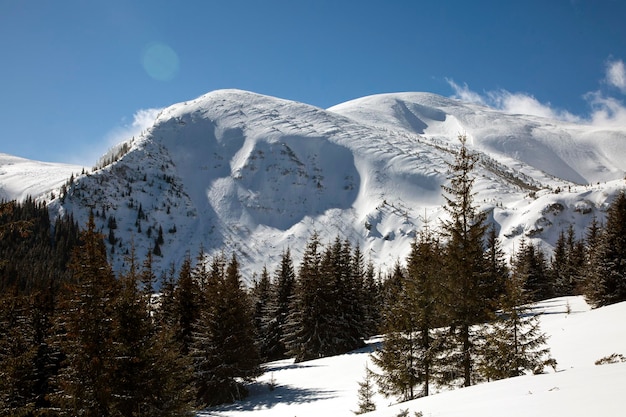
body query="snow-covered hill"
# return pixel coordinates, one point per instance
(20, 178)
(577, 337)
(237, 171)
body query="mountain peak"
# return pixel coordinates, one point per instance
(238, 171)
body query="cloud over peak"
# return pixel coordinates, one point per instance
(616, 74)
(605, 110)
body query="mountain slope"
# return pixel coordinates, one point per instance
(21, 177)
(238, 171)
(580, 154)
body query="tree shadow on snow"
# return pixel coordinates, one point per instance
(261, 397)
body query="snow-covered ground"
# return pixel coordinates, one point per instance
(20, 178)
(578, 336)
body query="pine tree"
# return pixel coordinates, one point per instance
(345, 290)
(465, 261)
(566, 268)
(372, 301)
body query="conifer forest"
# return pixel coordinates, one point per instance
(77, 338)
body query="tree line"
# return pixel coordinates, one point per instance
(77, 339)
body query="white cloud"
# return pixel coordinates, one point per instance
(606, 111)
(514, 103)
(616, 74)
(142, 119)
(463, 93)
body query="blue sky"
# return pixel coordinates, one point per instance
(77, 76)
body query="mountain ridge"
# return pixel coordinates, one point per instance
(239, 171)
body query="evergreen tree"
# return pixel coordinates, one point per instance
(345, 279)
(408, 358)
(261, 294)
(185, 306)
(466, 267)
(532, 264)
(224, 350)
(309, 332)
(608, 269)
(514, 342)
(272, 345)
(18, 353)
(151, 378)
(372, 301)
(567, 264)
(366, 393)
(86, 332)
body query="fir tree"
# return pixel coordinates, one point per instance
(185, 306)
(151, 378)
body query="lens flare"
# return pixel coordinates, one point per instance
(160, 61)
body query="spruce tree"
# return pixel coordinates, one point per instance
(608, 270)
(366, 393)
(224, 351)
(409, 355)
(308, 333)
(86, 332)
(261, 294)
(185, 306)
(466, 266)
(272, 345)
(532, 264)
(18, 353)
(152, 378)
(514, 342)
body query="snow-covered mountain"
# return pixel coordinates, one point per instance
(237, 171)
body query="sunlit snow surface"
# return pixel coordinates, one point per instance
(240, 172)
(578, 337)
(20, 178)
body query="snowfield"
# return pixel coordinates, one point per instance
(20, 178)
(578, 336)
(245, 173)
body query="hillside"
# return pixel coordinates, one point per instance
(21, 177)
(237, 171)
(578, 337)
